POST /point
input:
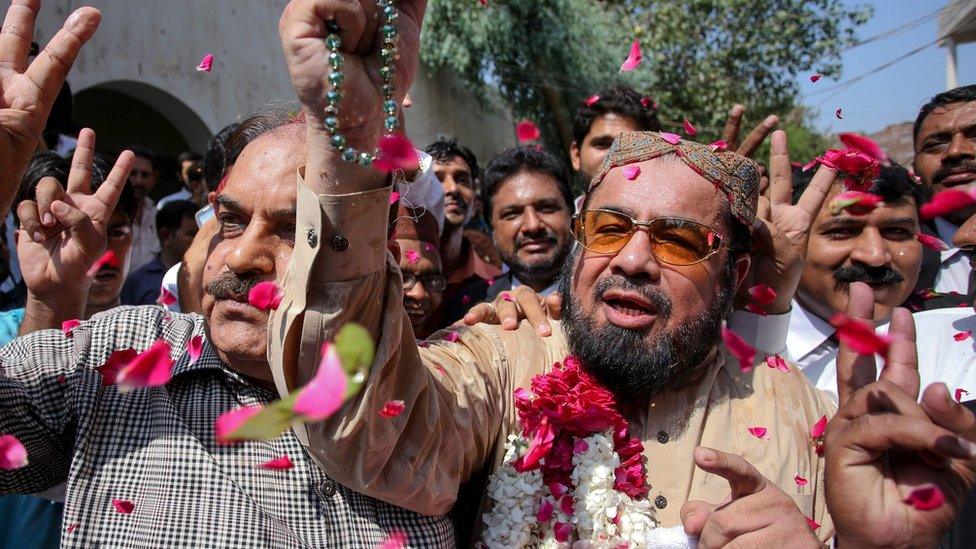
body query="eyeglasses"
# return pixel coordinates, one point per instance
(432, 282)
(674, 240)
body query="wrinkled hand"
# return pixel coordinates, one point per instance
(28, 92)
(782, 229)
(882, 444)
(63, 231)
(756, 514)
(523, 304)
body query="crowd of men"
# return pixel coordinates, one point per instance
(483, 276)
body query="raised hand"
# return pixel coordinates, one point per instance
(28, 92)
(63, 231)
(733, 125)
(882, 444)
(782, 229)
(757, 513)
(523, 303)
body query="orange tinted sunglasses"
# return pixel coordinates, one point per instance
(674, 240)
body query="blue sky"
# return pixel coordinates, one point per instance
(896, 93)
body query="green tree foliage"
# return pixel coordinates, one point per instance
(700, 56)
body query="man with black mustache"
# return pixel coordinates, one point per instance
(945, 158)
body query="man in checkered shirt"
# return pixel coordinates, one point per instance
(143, 468)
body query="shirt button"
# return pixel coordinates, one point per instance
(660, 502)
(663, 437)
(339, 243)
(313, 238)
(328, 488)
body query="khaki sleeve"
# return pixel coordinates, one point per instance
(452, 390)
(825, 407)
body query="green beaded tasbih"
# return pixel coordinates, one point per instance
(336, 78)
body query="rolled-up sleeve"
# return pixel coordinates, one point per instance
(340, 272)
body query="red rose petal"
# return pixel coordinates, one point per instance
(396, 152)
(591, 100)
(453, 337)
(562, 531)
(690, 129)
(815, 77)
(926, 497)
(228, 422)
(206, 64)
(719, 145)
(758, 432)
(819, 428)
(507, 297)
(631, 172)
(392, 409)
(412, 256)
(72, 527)
(865, 145)
(860, 335)
(325, 393)
(123, 506)
(739, 349)
(13, 454)
(397, 539)
(545, 511)
(108, 258)
(114, 363)
(278, 464)
(394, 197)
(68, 326)
(777, 362)
(526, 131)
(762, 294)
(648, 103)
(465, 299)
(855, 203)
(812, 523)
(166, 298)
(946, 202)
(931, 242)
(839, 114)
(800, 481)
(150, 368)
(959, 392)
(194, 348)
(672, 138)
(633, 58)
(265, 296)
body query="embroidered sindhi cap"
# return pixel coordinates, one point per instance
(735, 175)
(417, 224)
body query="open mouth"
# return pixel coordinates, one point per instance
(629, 310)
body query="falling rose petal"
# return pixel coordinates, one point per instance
(946, 202)
(453, 337)
(545, 511)
(325, 393)
(123, 506)
(962, 336)
(150, 368)
(739, 349)
(265, 296)
(108, 258)
(926, 497)
(819, 428)
(959, 392)
(526, 131)
(72, 527)
(633, 58)
(758, 432)
(412, 256)
(718, 146)
(166, 298)
(860, 335)
(396, 153)
(591, 100)
(396, 539)
(194, 348)
(812, 523)
(839, 114)
(114, 364)
(648, 103)
(278, 464)
(800, 481)
(507, 297)
(392, 409)
(690, 129)
(206, 64)
(931, 242)
(394, 197)
(815, 77)
(13, 455)
(68, 326)
(777, 362)
(631, 172)
(762, 294)
(865, 145)
(229, 421)
(855, 203)
(672, 138)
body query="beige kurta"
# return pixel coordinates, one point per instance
(458, 395)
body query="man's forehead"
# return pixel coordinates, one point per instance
(949, 117)
(455, 162)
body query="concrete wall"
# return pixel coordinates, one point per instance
(148, 51)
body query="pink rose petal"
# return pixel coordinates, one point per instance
(150, 368)
(839, 114)
(412, 256)
(278, 464)
(114, 363)
(859, 335)
(648, 103)
(229, 421)
(507, 297)
(931, 242)
(962, 336)
(739, 349)
(631, 172)
(672, 138)
(762, 294)
(633, 58)
(865, 145)
(800, 481)
(959, 392)
(489, 281)
(815, 77)
(546, 510)
(562, 531)
(758, 432)
(777, 362)
(392, 409)
(591, 100)
(465, 299)
(108, 258)
(13, 455)
(819, 428)
(194, 348)
(926, 497)
(123, 506)
(526, 131)
(453, 337)
(325, 393)
(396, 153)
(68, 326)
(946, 202)
(397, 539)
(718, 146)
(394, 197)
(812, 523)
(206, 64)
(855, 203)
(72, 527)
(265, 296)
(690, 129)
(166, 298)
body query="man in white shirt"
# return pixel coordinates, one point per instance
(190, 176)
(945, 157)
(142, 178)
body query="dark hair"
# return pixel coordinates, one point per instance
(171, 215)
(620, 100)
(445, 149)
(962, 94)
(525, 158)
(189, 156)
(893, 184)
(51, 164)
(143, 152)
(213, 163)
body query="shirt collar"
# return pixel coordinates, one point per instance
(548, 290)
(807, 332)
(946, 232)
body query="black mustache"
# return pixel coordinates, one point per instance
(654, 296)
(547, 236)
(228, 285)
(871, 275)
(948, 169)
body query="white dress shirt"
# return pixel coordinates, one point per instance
(805, 339)
(953, 275)
(182, 194)
(145, 242)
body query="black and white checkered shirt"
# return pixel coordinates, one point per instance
(155, 447)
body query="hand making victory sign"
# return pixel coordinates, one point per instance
(27, 91)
